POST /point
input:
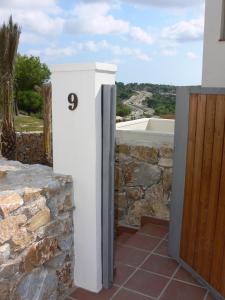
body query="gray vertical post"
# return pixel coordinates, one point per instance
(108, 161)
(179, 169)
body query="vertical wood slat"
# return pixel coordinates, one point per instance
(219, 240)
(222, 284)
(214, 188)
(204, 187)
(189, 173)
(200, 133)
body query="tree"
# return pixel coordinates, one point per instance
(29, 101)
(30, 73)
(9, 40)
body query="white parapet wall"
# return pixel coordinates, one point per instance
(151, 132)
(214, 47)
(77, 140)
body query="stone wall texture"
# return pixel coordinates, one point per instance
(143, 177)
(30, 147)
(36, 233)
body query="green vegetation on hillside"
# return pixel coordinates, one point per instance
(163, 98)
(163, 104)
(123, 93)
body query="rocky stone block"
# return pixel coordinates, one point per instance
(40, 284)
(158, 201)
(4, 253)
(31, 208)
(123, 149)
(4, 289)
(166, 162)
(40, 219)
(9, 201)
(135, 193)
(67, 203)
(142, 174)
(119, 182)
(167, 179)
(10, 268)
(10, 227)
(65, 243)
(166, 152)
(31, 194)
(38, 254)
(135, 212)
(121, 200)
(142, 153)
(21, 240)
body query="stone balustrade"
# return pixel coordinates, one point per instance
(36, 232)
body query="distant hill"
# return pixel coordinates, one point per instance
(136, 100)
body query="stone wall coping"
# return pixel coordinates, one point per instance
(144, 138)
(19, 176)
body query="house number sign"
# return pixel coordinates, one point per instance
(73, 100)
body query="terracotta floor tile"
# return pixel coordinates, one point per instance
(162, 249)
(147, 283)
(122, 273)
(154, 230)
(185, 276)
(123, 237)
(81, 294)
(130, 256)
(143, 242)
(129, 295)
(183, 291)
(161, 265)
(210, 297)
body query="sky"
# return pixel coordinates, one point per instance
(152, 41)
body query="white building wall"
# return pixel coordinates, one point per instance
(214, 49)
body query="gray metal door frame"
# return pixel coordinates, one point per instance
(179, 172)
(108, 163)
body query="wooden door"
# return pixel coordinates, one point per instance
(202, 238)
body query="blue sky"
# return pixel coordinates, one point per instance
(158, 41)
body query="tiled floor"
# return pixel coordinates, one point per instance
(145, 271)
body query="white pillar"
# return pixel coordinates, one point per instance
(77, 152)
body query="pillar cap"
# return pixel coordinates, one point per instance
(76, 67)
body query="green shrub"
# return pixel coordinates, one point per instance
(29, 101)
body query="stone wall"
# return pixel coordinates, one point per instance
(143, 182)
(30, 147)
(36, 233)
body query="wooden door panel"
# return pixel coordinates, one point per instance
(202, 244)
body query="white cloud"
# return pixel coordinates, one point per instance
(139, 34)
(185, 31)
(54, 52)
(166, 3)
(95, 19)
(159, 3)
(37, 18)
(192, 55)
(46, 5)
(51, 53)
